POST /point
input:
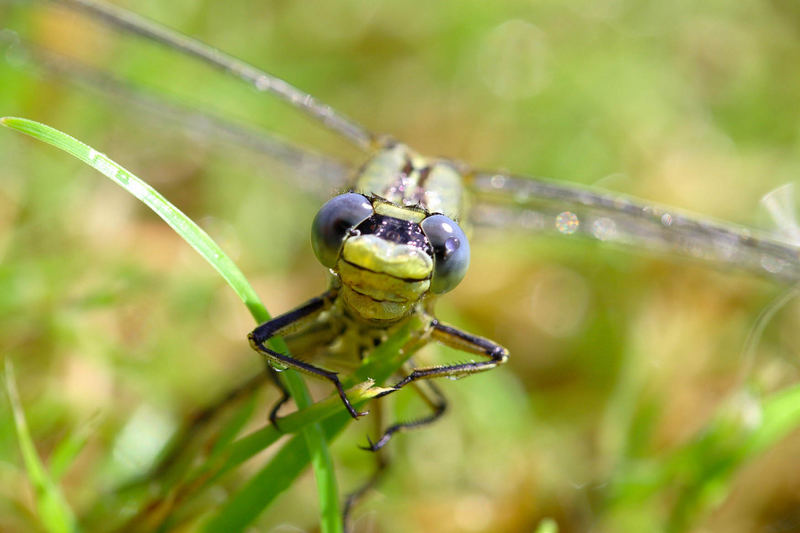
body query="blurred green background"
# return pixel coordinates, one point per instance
(620, 360)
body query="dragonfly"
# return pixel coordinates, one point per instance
(505, 200)
(393, 245)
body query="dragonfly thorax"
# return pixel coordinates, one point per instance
(405, 178)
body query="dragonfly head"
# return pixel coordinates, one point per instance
(388, 257)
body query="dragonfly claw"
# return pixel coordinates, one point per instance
(370, 447)
(375, 446)
(355, 414)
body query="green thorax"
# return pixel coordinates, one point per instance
(405, 178)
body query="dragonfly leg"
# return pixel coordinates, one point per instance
(438, 403)
(285, 396)
(291, 322)
(460, 340)
(317, 334)
(381, 465)
(435, 400)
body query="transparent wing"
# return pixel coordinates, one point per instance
(504, 200)
(260, 80)
(544, 206)
(312, 172)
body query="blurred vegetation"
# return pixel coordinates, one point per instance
(640, 396)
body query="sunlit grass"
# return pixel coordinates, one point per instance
(638, 412)
(281, 471)
(53, 512)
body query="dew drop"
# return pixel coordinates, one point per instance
(521, 196)
(772, 264)
(498, 182)
(604, 229)
(263, 83)
(567, 222)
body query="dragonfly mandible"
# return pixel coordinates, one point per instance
(544, 207)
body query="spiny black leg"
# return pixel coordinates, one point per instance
(316, 334)
(354, 497)
(289, 323)
(460, 340)
(310, 369)
(433, 397)
(285, 396)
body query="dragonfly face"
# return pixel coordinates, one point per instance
(388, 255)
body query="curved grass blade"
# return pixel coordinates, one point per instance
(54, 513)
(211, 252)
(183, 225)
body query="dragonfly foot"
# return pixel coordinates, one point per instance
(273, 419)
(350, 409)
(375, 446)
(370, 447)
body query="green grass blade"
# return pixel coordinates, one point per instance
(54, 513)
(278, 474)
(739, 433)
(742, 429)
(176, 219)
(248, 446)
(211, 252)
(233, 426)
(327, 488)
(383, 363)
(67, 450)
(780, 414)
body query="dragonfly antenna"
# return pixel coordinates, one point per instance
(257, 78)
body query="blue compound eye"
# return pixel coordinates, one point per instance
(450, 252)
(334, 221)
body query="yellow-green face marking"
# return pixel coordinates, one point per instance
(383, 279)
(375, 254)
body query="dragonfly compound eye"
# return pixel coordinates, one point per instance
(450, 252)
(334, 221)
